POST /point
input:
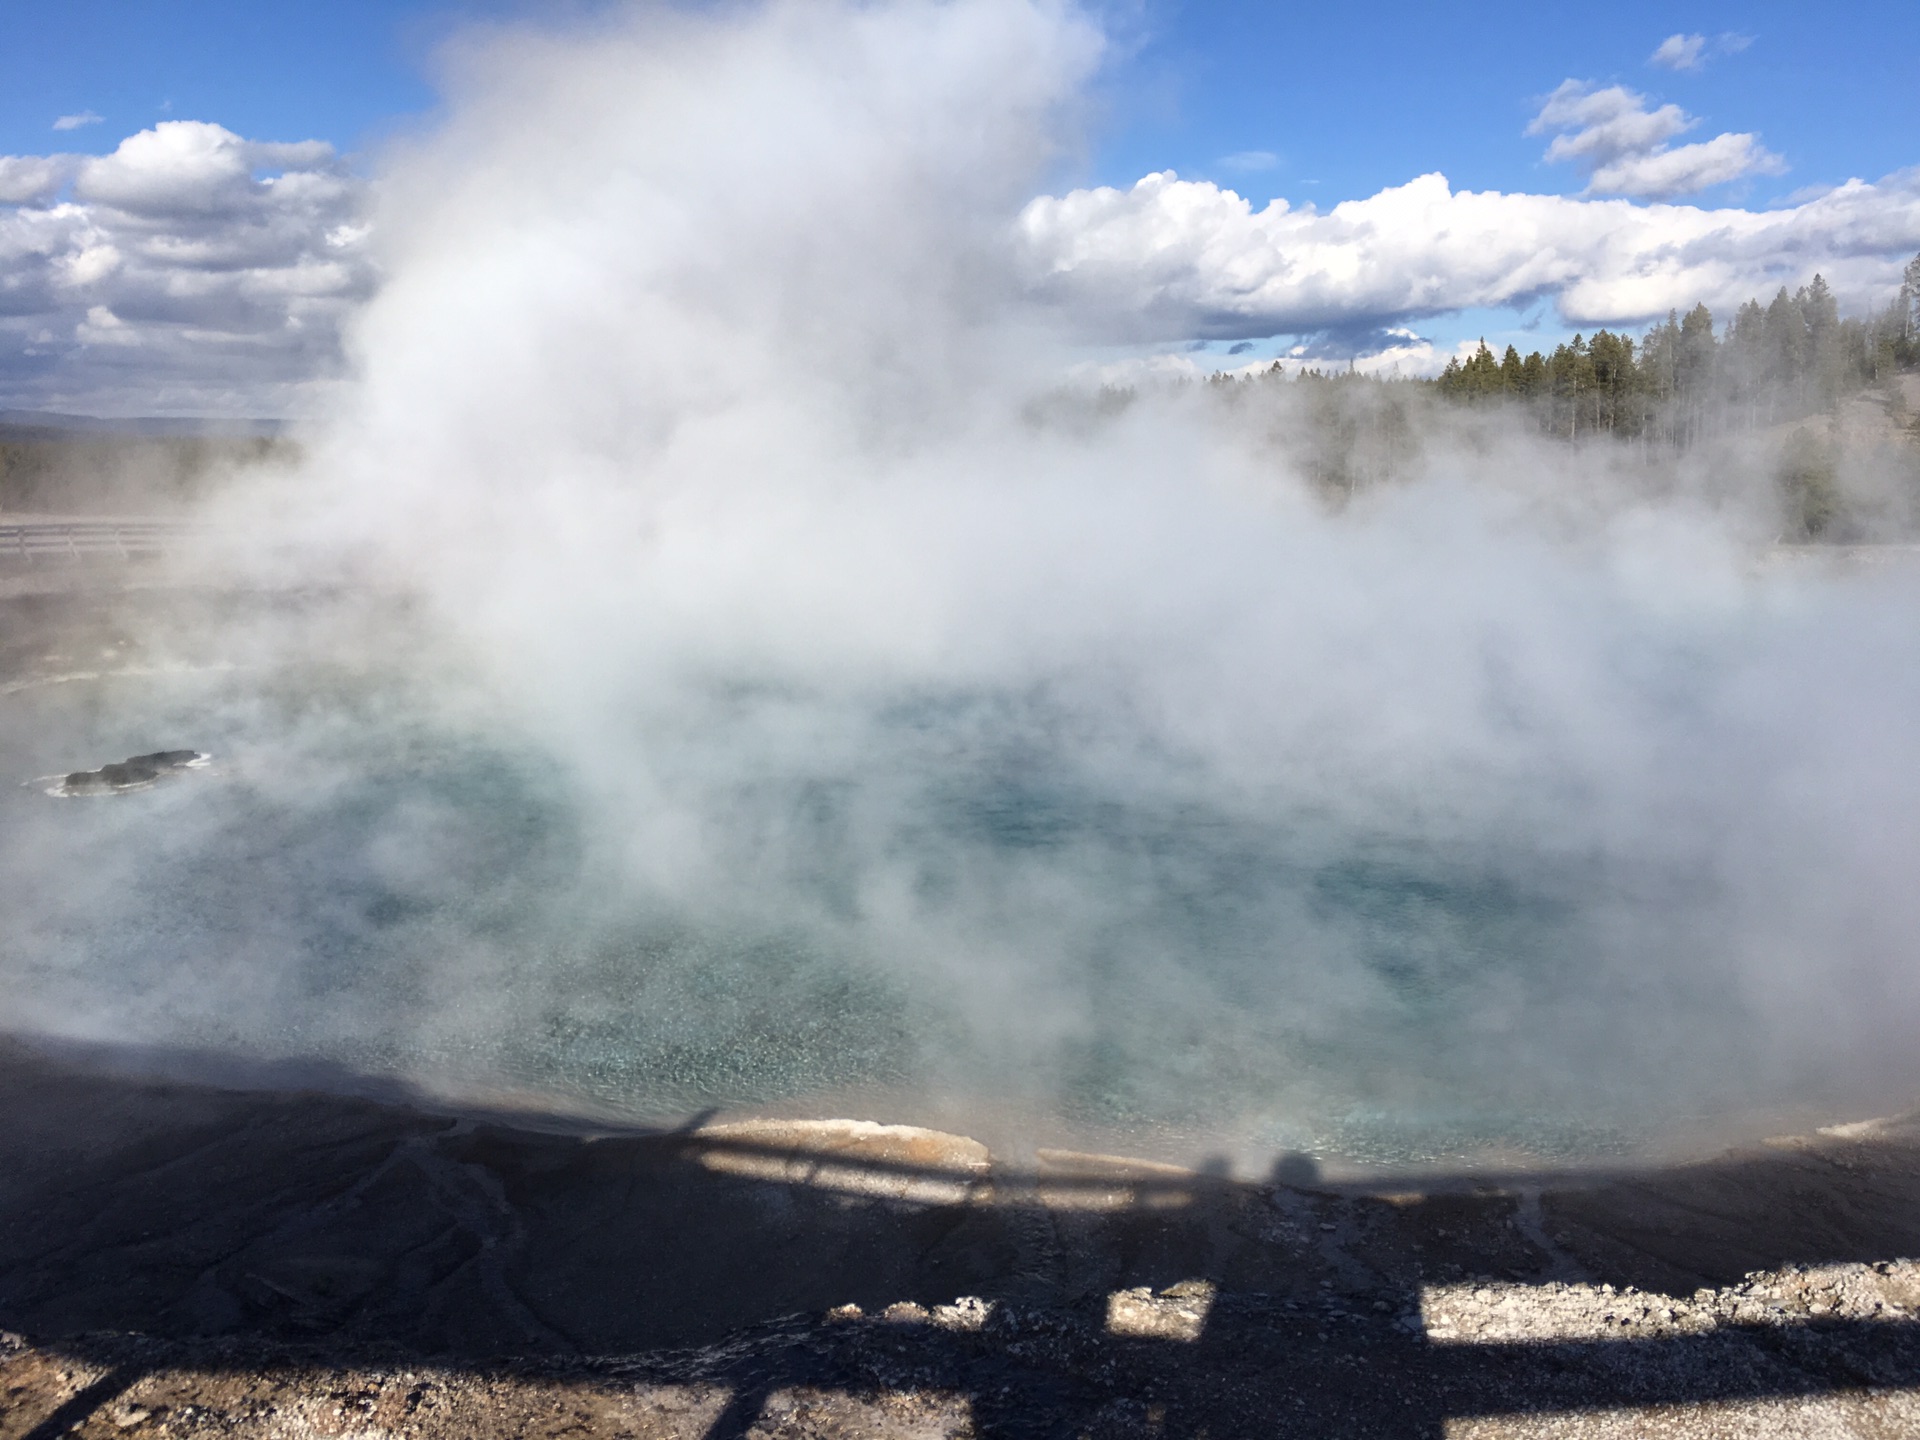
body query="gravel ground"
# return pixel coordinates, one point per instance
(183, 1260)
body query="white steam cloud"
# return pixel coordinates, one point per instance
(790, 685)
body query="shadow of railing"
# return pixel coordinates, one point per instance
(342, 1226)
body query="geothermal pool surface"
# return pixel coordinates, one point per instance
(964, 912)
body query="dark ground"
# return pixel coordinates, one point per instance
(190, 1254)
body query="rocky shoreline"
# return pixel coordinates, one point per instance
(893, 1374)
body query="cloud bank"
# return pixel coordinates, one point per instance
(1171, 257)
(192, 270)
(188, 271)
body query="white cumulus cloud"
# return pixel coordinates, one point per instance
(1602, 125)
(1687, 170)
(1679, 52)
(1622, 144)
(195, 270)
(1171, 257)
(74, 122)
(189, 270)
(30, 179)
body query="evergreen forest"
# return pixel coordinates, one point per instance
(1789, 411)
(1793, 357)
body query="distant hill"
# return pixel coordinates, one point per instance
(83, 464)
(46, 424)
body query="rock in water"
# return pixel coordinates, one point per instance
(128, 773)
(134, 773)
(168, 759)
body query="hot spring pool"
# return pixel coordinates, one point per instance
(956, 910)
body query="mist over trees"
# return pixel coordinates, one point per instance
(1785, 360)
(66, 472)
(1791, 415)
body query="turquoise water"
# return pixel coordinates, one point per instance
(961, 903)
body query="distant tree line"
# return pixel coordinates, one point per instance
(65, 472)
(1777, 362)
(1686, 381)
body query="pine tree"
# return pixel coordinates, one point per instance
(1694, 370)
(1660, 358)
(1533, 374)
(1910, 304)
(1743, 358)
(1571, 381)
(1787, 348)
(1615, 380)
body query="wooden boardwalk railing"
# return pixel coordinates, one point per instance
(37, 540)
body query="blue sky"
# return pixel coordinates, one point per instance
(1346, 98)
(342, 71)
(1358, 97)
(1316, 104)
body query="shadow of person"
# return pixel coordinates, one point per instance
(1295, 1169)
(1113, 1297)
